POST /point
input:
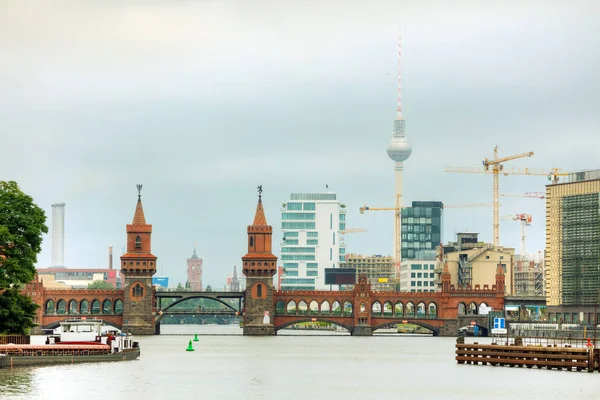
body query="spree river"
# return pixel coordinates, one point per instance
(292, 365)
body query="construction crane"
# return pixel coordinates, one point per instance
(497, 167)
(525, 220)
(398, 211)
(531, 195)
(352, 230)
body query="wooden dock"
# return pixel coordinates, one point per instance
(564, 357)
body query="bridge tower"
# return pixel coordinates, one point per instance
(137, 266)
(259, 266)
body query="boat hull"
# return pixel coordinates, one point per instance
(10, 361)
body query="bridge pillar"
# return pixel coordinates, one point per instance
(362, 330)
(259, 266)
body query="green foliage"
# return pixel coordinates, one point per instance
(100, 285)
(16, 313)
(22, 224)
(209, 289)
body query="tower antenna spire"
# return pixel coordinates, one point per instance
(399, 111)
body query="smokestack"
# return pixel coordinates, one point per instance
(110, 257)
(58, 235)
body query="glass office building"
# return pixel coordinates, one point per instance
(422, 227)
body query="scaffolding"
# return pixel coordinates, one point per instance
(465, 270)
(580, 251)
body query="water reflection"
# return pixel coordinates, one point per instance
(16, 382)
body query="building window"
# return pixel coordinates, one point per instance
(259, 290)
(312, 265)
(333, 234)
(312, 234)
(298, 216)
(290, 235)
(137, 290)
(294, 206)
(298, 225)
(312, 273)
(313, 242)
(309, 206)
(330, 254)
(138, 242)
(330, 221)
(251, 241)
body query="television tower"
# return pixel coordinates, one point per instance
(399, 149)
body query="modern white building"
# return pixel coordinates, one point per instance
(417, 276)
(312, 226)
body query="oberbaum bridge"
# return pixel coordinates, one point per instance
(137, 307)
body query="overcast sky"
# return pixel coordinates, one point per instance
(201, 101)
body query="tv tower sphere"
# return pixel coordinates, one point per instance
(399, 148)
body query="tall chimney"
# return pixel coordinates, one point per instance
(110, 257)
(58, 235)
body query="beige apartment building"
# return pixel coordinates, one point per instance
(572, 257)
(471, 262)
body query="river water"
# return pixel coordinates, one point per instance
(292, 365)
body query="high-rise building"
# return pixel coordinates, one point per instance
(422, 227)
(398, 149)
(194, 272)
(312, 226)
(572, 248)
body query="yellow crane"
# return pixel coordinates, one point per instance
(497, 166)
(531, 195)
(352, 230)
(398, 211)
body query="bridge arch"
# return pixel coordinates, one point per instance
(399, 309)
(50, 307)
(336, 308)
(376, 308)
(432, 310)
(198, 296)
(388, 309)
(106, 307)
(421, 310)
(462, 308)
(84, 307)
(291, 308)
(95, 309)
(473, 309)
(118, 307)
(325, 307)
(317, 319)
(409, 310)
(280, 307)
(61, 306)
(435, 330)
(73, 307)
(314, 307)
(302, 307)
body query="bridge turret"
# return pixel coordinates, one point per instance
(500, 279)
(259, 265)
(137, 267)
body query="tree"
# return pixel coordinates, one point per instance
(100, 285)
(208, 288)
(22, 224)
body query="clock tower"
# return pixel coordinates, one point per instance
(194, 272)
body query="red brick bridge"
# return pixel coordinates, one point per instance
(265, 311)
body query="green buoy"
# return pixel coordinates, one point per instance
(196, 338)
(190, 347)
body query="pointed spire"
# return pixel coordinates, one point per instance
(235, 271)
(195, 255)
(399, 111)
(259, 217)
(138, 217)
